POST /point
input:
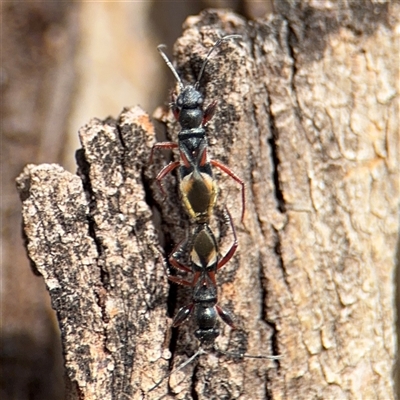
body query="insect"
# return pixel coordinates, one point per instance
(204, 264)
(197, 186)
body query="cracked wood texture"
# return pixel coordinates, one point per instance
(307, 116)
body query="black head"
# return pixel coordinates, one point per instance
(188, 108)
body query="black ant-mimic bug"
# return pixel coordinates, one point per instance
(204, 263)
(198, 187)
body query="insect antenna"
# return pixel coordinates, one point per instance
(244, 355)
(171, 67)
(217, 44)
(199, 352)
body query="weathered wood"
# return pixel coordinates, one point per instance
(307, 116)
(92, 239)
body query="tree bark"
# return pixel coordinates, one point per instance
(307, 116)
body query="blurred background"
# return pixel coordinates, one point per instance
(63, 63)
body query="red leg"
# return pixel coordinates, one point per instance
(209, 112)
(175, 111)
(184, 282)
(211, 275)
(162, 145)
(165, 171)
(175, 278)
(184, 159)
(173, 258)
(203, 158)
(187, 156)
(236, 178)
(196, 277)
(180, 281)
(233, 248)
(176, 264)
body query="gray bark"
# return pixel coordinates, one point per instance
(307, 116)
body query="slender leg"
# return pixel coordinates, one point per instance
(187, 157)
(165, 171)
(210, 277)
(183, 152)
(176, 264)
(203, 158)
(177, 279)
(162, 145)
(173, 258)
(209, 112)
(180, 281)
(233, 248)
(228, 171)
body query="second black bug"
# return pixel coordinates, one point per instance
(204, 264)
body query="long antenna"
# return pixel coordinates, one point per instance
(171, 67)
(216, 44)
(244, 355)
(199, 352)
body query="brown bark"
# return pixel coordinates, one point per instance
(307, 116)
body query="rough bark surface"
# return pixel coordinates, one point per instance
(307, 116)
